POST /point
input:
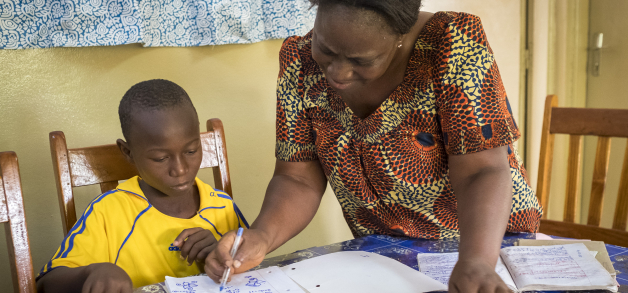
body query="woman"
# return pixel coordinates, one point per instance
(405, 115)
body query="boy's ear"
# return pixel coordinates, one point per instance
(126, 151)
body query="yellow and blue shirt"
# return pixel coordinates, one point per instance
(122, 227)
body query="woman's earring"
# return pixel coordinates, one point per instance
(399, 46)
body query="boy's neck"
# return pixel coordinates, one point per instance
(184, 206)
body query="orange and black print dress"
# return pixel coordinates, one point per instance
(389, 170)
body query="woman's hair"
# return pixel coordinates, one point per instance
(401, 15)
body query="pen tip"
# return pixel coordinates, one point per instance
(220, 289)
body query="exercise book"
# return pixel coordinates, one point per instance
(268, 280)
(529, 268)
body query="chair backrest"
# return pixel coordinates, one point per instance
(105, 165)
(577, 122)
(12, 215)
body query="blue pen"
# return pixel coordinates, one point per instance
(234, 249)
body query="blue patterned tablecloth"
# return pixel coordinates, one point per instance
(405, 251)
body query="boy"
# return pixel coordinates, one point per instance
(148, 226)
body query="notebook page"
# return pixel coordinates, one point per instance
(439, 266)
(564, 267)
(269, 280)
(503, 272)
(359, 271)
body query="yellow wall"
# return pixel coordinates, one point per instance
(77, 90)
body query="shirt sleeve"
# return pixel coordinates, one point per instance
(472, 104)
(295, 140)
(85, 244)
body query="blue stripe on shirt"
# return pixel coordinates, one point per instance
(134, 222)
(235, 207)
(132, 228)
(240, 215)
(81, 223)
(208, 221)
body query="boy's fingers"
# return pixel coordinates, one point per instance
(196, 246)
(127, 289)
(202, 255)
(90, 287)
(192, 240)
(97, 287)
(86, 288)
(185, 234)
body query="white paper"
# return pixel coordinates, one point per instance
(503, 273)
(541, 236)
(437, 266)
(560, 267)
(440, 265)
(358, 271)
(269, 280)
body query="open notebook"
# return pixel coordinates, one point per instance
(340, 272)
(268, 280)
(528, 268)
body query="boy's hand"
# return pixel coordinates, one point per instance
(106, 277)
(197, 246)
(471, 276)
(251, 252)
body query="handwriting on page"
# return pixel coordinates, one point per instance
(438, 266)
(269, 280)
(187, 287)
(544, 262)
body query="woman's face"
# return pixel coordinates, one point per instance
(353, 47)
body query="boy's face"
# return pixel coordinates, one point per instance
(165, 146)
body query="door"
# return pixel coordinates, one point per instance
(607, 88)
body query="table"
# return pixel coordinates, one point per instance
(405, 249)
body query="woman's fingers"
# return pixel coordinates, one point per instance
(220, 258)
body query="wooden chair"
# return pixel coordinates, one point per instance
(12, 215)
(105, 165)
(604, 123)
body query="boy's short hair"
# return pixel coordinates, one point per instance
(151, 95)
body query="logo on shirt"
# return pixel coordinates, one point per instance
(173, 248)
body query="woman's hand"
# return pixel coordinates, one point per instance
(253, 248)
(471, 276)
(106, 277)
(483, 187)
(195, 244)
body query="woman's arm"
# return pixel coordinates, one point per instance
(292, 199)
(483, 187)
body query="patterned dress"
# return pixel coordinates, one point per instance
(389, 170)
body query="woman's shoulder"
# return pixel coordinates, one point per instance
(448, 18)
(449, 26)
(297, 50)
